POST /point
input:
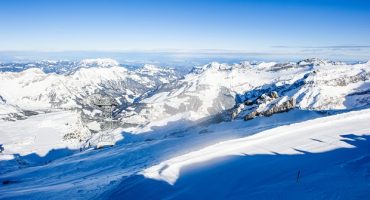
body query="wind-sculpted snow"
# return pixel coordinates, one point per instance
(292, 139)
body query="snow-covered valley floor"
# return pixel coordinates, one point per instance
(33, 141)
(293, 155)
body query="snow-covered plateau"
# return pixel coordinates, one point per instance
(95, 129)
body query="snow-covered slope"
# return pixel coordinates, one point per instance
(313, 136)
(326, 158)
(331, 154)
(9, 111)
(35, 138)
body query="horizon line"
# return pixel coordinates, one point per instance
(204, 51)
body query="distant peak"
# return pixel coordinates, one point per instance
(151, 67)
(309, 61)
(318, 62)
(211, 66)
(33, 71)
(99, 62)
(265, 65)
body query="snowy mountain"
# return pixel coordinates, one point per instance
(100, 62)
(33, 89)
(261, 127)
(245, 88)
(47, 66)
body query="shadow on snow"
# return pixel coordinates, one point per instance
(334, 174)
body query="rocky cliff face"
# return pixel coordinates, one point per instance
(321, 86)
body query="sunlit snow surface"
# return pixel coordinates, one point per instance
(38, 135)
(313, 136)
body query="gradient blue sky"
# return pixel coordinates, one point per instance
(248, 26)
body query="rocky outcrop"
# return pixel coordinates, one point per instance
(283, 107)
(274, 95)
(251, 115)
(266, 104)
(272, 109)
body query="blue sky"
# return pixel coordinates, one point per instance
(186, 25)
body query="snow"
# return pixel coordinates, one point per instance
(94, 126)
(171, 143)
(266, 65)
(109, 173)
(331, 154)
(150, 69)
(37, 135)
(6, 109)
(101, 62)
(281, 140)
(32, 89)
(211, 89)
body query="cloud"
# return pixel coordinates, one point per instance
(324, 47)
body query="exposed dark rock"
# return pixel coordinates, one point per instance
(283, 107)
(287, 105)
(251, 115)
(30, 113)
(248, 102)
(14, 117)
(274, 95)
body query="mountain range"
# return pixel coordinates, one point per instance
(96, 128)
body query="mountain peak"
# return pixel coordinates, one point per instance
(99, 62)
(150, 67)
(318, 62)
(33, 71)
